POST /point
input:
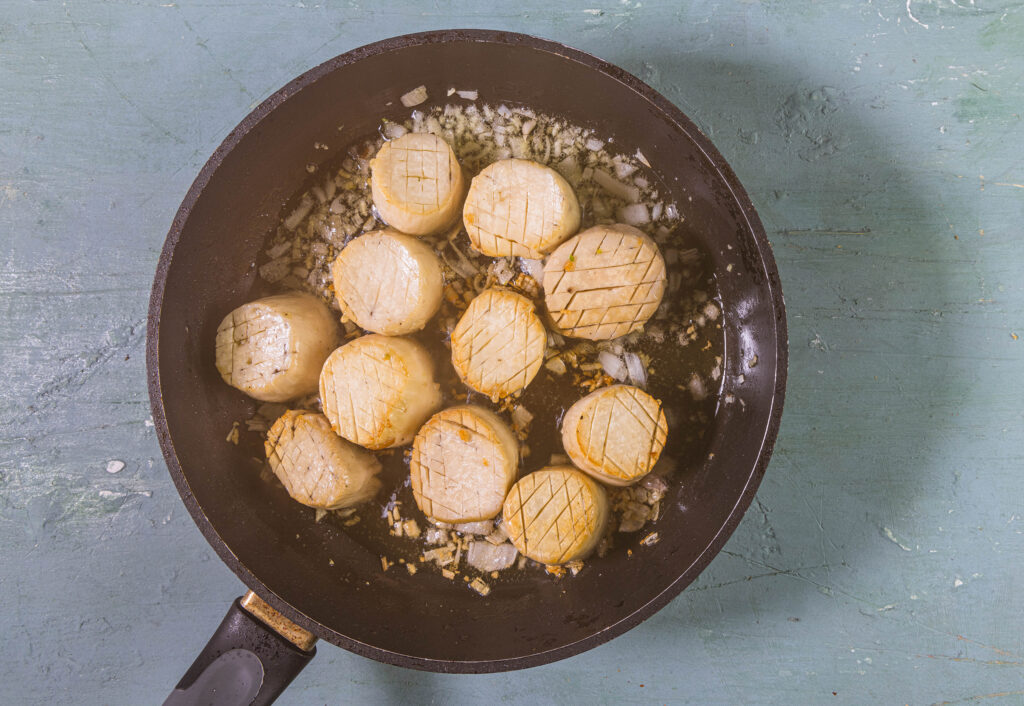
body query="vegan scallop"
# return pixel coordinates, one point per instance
(498, 345)
(464, 459)
(417, 184)
(519, 208)
(615, 434)
(604, 283)
(377, 390)
(318, 468)
(555, 515)
(388, 282)
(272, 349)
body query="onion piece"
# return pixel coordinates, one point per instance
(635, 366)
(613, 365)
(468, 95)
(635, 214)
(491, 557)
(534, 268)
(626, 192)
(300, 212)
(414, 97)
(393, 130)
(671, 212)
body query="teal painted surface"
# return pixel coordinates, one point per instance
(884, 147)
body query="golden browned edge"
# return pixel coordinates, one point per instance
(258, 608)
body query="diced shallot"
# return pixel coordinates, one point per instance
(635, 366)
(485, 556)
(414, 97)
(635, 214)
(613, 365)
(626, 192)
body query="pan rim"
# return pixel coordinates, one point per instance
(754, 226)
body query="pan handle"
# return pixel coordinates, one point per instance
(254, 655)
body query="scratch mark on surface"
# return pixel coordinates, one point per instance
(914, 19)
(979, 697)
(892, 538)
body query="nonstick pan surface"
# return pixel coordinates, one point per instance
(316, 574)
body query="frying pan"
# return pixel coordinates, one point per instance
(312, 580)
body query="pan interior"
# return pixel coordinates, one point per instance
(332, 579)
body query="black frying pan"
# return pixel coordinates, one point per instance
(316, 577)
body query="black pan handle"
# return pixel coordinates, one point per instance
(254, 655)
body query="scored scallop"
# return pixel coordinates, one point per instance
(605, 282)
(377, 390)
(318, 468)
(272, 349)
(388, 282)
(555, 515)
(518, 208)
(464, 459)
(417, 184)
(498, 345)
(615, 434)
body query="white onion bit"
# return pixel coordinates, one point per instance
(606, 181)
(414, 97)
(635, 214)
(613, 365)
(489, 557)
(635, 366)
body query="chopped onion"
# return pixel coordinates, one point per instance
(656, 210)
(671, 212)
(528, 127)
(435, 535)
(624, 169)
(696, 386)
(642, 158)
(593, 144)
(626, 192)
(300, 212)
(613, 365)
(534, 268)
(635, 366)
(393, 131)
(276, 270)
(277, 251)
(490, 557)
(641, 182)
(503, 111)
(556, 365)
(468, 95)
(521, 417)
(502, 271)
(414, 97)
(635, 214)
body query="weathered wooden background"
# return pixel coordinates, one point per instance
(883, 561)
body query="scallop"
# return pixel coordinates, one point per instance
(498, 345)
(518, 208)
(555, 515)
(317, 468)
(464, 460)
(604, 283)
(377, 390)
(272, 349)
(388, 282)
(615, 434)
(417, 184)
